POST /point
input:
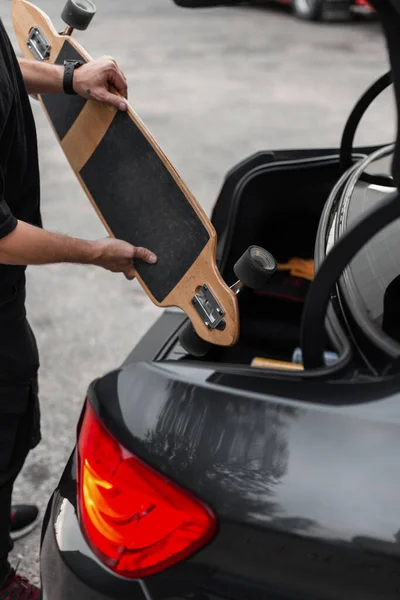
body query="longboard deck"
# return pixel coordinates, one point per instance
(135, 190)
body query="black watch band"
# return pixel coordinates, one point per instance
(69, 69)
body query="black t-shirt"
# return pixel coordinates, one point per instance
(19, 168)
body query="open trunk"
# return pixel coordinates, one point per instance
(274, 200)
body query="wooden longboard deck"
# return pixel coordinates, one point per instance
(135, 190)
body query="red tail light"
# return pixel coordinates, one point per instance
(135, 520)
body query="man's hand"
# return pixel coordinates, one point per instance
(100, 80)
(95, 79)
(118, 256)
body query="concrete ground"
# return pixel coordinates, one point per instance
(213, 86)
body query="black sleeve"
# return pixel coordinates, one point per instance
(7, 221)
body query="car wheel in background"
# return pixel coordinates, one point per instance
(322, 10)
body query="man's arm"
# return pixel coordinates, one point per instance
(92, 80)
(28, 245)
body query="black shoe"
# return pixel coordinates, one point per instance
(24, 519)
(16, 587)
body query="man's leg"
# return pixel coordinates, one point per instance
(25, 517)
(19, 414)
(14, 448)
(5, 541)
(13, 585)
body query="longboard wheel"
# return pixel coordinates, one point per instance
(255, 267)
(192, 342)
(78, 14)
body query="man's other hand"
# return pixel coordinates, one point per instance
(95, 80)
(119, 256)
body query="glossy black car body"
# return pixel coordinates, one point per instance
(300, 468)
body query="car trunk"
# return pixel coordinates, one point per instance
(274, 200)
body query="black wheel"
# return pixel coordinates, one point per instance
(192, 342)
(255, 267)
(322, 10)
(78, 14)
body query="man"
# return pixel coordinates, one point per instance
(24, 242)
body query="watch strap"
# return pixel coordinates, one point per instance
(69, 69)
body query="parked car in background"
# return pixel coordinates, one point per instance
(310, 10)
(327, 10)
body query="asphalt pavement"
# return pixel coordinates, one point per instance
(213, 86)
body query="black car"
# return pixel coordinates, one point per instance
(207, 478)
(268, 470)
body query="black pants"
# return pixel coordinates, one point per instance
(19, 408)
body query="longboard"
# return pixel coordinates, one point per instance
(134, 189)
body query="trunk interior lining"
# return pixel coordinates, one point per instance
(280, 211)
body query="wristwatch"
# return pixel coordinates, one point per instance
(69, 69)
